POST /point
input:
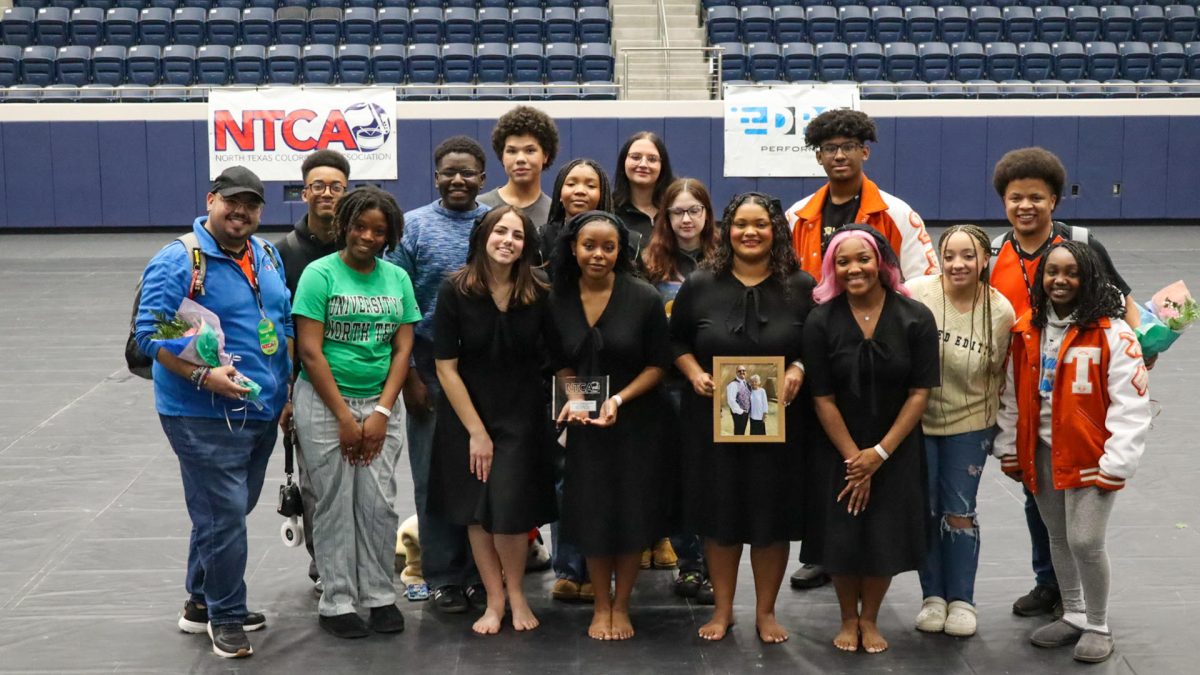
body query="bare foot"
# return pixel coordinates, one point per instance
(769, 630)
(718, 626)
(622, 627)
(601, 626)
(847, 638)
(522, 616)
(489, 623)
(872, 639)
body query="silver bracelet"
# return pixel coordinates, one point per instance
(386, 412)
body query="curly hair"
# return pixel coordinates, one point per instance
(839, 122)
(351, 207)
(558, 213)
(564, 268)
(526, 120)
(1097, 297)
(621, 189)
(783, 256)
(472, 278)
(1036, 163)
(658, 258)
(463, 144)
(330, 158)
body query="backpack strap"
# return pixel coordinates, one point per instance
(998, 243)
(199, 263)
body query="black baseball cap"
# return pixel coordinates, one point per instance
(237, 180)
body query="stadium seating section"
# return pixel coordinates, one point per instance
(175, 50)
(911, 49)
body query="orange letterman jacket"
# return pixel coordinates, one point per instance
(1101, 409)
(892, 217)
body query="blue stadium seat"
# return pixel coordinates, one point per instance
(17, 27)
(1149, 23)
(1003, 61)
(877, 91)
(60, 93)
(1117, 22)
(425, 3)
(392, 26)
(1119, 88)
(954, 24)
(982, 88)
(562, 62)
(24, 93)
(139, 5)
(358, 25)
(528, 61)
(559, 25)
(239, 5)
(596, 62)
(424, 63)
(1037, 61)
(909, 90)
(1191, 53)
(595, 24)
(459, 25)
(1182, 23)
(223, 26)
(733, 61)
(187, 26)
(1170, 63)
(212, 65)
(724, 24)
(425, 25)
(493, 25)
(1052, 25)
(887, 24)
(1017, 88)
(1070, 60)
(198, 4)
(822, 24)
(97, 93)
(789, 23)
(108, 65)
(855, 23)
(799, 62)
(1090, 90)
(758, 24)
(1019, 24)
(325, 26)
(51, 26)
(833, 61)
(87, 27)
(1104, 61)
(763, 61)
(153, 27)
(901, 61)
(970, 61)
(935, 4)
(258, 26)
(121, 26)
(303, 4)
(987, 24)
(354, 63)
(10, 65)
(458, 63)
(388, 63)
(291, 26)
(592, 3)
(922, 24)
(1050, 88)
(1085, 23)
(283, 64)
(937, 63)
(867, 61)
(1137, 61)
(947, 89)
(37, 65)
(178, 65)
(491, 62)
(249, 65)
(526, 24)
(73, 65)
(331, 4)
(1154, 88)
(318, 64)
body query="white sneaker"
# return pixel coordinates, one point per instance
(932, 617)
(960, 621)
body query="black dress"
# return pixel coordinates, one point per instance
(500, 359)
(615, 490)
(741, 493)
(869, 380)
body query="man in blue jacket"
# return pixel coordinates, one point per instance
(222, 440)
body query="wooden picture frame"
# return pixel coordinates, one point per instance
(761, 374)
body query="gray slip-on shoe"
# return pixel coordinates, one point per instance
(1057, 634)
(1094, 647)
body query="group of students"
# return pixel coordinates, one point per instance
(440, 329)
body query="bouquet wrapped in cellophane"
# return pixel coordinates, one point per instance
(1165, 317)
(194, 335)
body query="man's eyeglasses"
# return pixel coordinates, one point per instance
(693, 211)
(846, 148)
(318, 187)
(467, 174)
(251, 204)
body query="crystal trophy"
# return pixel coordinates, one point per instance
(580, 396)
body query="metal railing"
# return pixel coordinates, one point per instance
(704, 61)
(166, 93)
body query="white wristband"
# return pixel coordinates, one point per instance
(386, 412)
(618, 399)
(883, 454)
(798, 364)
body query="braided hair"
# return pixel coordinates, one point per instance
(1097, 297)
(360, 200)
(558, 212)
(979, 238)
(783, 257)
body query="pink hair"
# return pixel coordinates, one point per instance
(830, 287)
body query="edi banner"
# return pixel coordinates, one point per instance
(764, 127)
(271, 131)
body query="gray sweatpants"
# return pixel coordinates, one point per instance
(1076, 520)
(354, 533)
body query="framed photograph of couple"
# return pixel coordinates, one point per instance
(746, 407)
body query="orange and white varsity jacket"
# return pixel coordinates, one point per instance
(1100, 406)
(891, 216)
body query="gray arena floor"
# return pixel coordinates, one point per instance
(93, 532)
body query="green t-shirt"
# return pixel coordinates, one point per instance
(361, 313)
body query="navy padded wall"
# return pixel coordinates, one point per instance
(124, 178)
(1003, 134)
(172, 180)
(1183, 171)
(75, 157)
(1099, 166)
(28, 174)
(966, 175)
(1060, 135)
(917, 181)
(1143, 192)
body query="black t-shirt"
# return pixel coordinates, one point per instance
(836, 215)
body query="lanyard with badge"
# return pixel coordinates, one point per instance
(268, 337)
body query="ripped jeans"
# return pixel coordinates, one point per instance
(955, 466)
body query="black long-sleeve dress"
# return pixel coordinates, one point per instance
(615, 483)
(869, 379)
(741, 493)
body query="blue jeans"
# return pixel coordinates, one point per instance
(1043, 566)
(446, 558)
(223, 473)
(955, 465)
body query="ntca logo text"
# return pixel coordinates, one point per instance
(765, 120)
(362, 127)
(583, 388)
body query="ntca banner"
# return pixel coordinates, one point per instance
(271, 131)
(764, 127)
